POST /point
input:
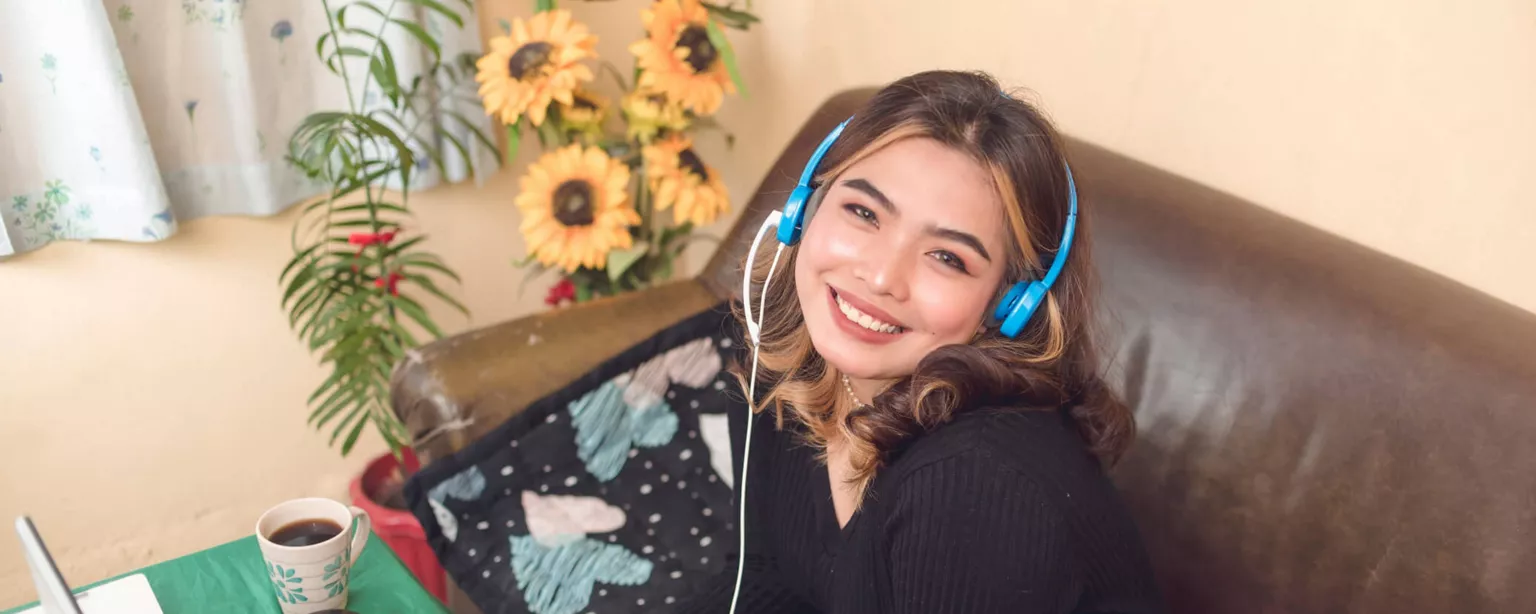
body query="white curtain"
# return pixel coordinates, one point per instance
(120, 117)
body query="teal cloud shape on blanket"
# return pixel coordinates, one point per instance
(607, 427)
(560, 579)
(466, 485)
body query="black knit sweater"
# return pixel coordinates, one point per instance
(998, 511)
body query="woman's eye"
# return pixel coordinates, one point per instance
(951, 260)
(862, 212)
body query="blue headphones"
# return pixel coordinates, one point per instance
(1016, 307)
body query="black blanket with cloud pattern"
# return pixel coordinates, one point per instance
(610, 495)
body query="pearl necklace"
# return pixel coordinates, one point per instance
(849, 387)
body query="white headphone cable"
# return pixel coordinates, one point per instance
(754, 330)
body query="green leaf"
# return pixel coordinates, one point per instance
(426, 284)
(620, 260)
(741, 20)
(313, 298)
(414, 310)
(406, 338)
(336, 375)
(527, 260)
(717, 38)
(400, 247)
(303, 277)
(540, 6)
(329, 318)
(421, 36)
(346, 447)
(514, 141)
(469, 162)
(506, 26)
(352, 339)
(346, 396)
(380, 130)
(335, 59)
(427, 261)
(549, 131)
(298, 258)
(439, 8)
(352, 415)
(364, 207)
(476, 132)
(396, 352)
(383, 69)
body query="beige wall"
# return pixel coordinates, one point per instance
(1408, 126)
(151, 396)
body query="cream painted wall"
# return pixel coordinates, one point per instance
(151, 396)
(1408, 126)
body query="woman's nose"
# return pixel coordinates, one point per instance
(886, 268)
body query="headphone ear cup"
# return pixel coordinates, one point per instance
(793, 223)
(813, 203)
(1016, 308)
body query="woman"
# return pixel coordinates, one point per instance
(907, 455)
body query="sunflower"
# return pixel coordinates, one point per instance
(540, 61)
(648, 113)
(584, 114)
(576, 208)
(678, 177)
(677, 58)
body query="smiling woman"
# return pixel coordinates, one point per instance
(952, 466)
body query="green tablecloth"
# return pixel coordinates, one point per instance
(231, 579)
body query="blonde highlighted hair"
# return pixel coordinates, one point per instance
(1051, 365)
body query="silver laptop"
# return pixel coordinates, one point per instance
(52, 592)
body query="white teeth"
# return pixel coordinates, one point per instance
(864, 319)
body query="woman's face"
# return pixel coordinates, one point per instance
(905, 255)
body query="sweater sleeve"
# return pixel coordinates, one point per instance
(761, 590)
(967, 535)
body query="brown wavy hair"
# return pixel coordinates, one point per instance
(1051, 365)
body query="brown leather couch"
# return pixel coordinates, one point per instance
(1322, 428)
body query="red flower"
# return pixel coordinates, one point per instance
(392, 282)
(363, 239)
(371, 238)
(561, 292)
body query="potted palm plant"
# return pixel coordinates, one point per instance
(356, 287)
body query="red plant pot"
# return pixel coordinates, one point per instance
(398, 527)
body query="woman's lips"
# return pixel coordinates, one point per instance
(857, 330)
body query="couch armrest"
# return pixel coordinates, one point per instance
(454, 390)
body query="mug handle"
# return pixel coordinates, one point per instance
(361, 531)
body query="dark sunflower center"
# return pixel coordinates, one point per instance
(578, 102)
(701, 54)
(573, 203)
(690, 162)
(528, 58)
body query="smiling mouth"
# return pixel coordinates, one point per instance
(854, 315)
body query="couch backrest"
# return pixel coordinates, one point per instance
(1322, 428)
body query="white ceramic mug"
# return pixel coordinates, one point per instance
(313, 577)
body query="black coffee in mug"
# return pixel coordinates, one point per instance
(305, 532)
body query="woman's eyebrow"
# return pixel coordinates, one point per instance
(963, 237)
(868, 188)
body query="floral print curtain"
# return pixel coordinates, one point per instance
(119, 118)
